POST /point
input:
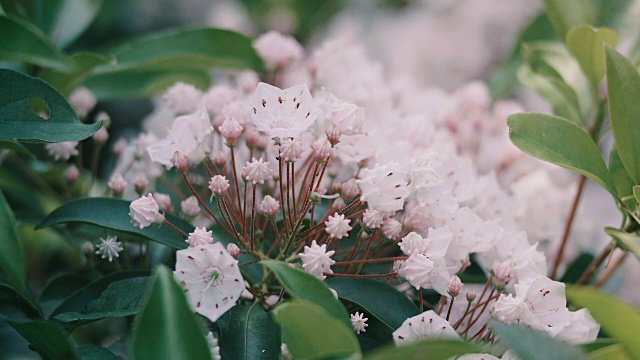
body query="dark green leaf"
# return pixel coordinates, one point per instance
(121, 298)
(622, 180)
(531, 345)
(248, 332)
(388, 305)
(18, 121)
(587, 46)
(13, 303)
(610, 13)
(312, 333)
(113, 214)
(46, 338)
(17, 147)
(426, 349)
(559, 141)
(65, 81)
(565, 14)
(93, 352)
(167, 328)
(12, 260)
(619, 320)
(65, 20)
(305, 286)
(623, 85)
(24, 42)
(630, 242)
(576, 268)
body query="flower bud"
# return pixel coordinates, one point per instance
(372, 219)
(502, 274)
(82, 100)
(338, 204)
(322, 150)
(290, 149)
(471, 295)
(335, 187)
(164, 201)
(454, 286)
(190, 206)
(218, 186)
(333, 134)
(140, 183)
(119, 147)
(117, 184)
(71, 173)
(88, 249)
(180, 161)
(251, 138)
(350, 189)
(269, 207)
(145, 211)
(231, 130)
(234, 250)
(219, 159)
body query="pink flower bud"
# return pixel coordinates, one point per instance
(72, 173)
(164, 201)
(333, 134)
(338, 204)
(234, 250)
(119, 147)
(269, 207)
(322, 150)
(335, 187)
(140, 183)
(454, 286)
(117, 184)
(290, 149)
(231, 130)
(145, 211)
(88, 249)
(372, 219)
(350, 189)
(101, 136)
(392, 229)
(252, 138)
(180, 161)
(502, 274)
(218, 185)
(471, 295)
(190, 206)
(219, 159)
(257, 171)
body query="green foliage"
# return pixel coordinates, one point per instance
(16, 306)
(305, 286)
(247, 331)
(576, 268)
(18, 121)
(65, 20)
(565, 14)
(312, 333)
(388, 305)
(560, 142)
(113, 214)
(613, 352)
(426, 349)
(587, 46)
(167, 328)
(83, 64)
(45, 338)
(93, 352)
(623, 182)
(623, 85)
(618, 320)
(627, 241)
(12, 260)
(531, 345)
(17, 147)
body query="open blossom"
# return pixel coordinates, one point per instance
(582, 328)
(359, 322)
(210, 277)
(145, 211)
(182, 98)
(337, 226)
(200, 237)
(384, 187)
(282, 113)
(278, 50)
(347, 117)
(109, 247)
(257, 171)
(316, 260)
(62, 150)
(427, 325)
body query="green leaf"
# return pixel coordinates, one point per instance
(167, 328)
(113, 214)
(576, 268)
(248, 332)
(565, 14)
(13, 303)
(636, 192)
(613, 352)
(630, 242)
(388, 305)
(610, 13)
(77, 302)
(24, 42)
(121, 298)
(560, 96)
(18, 121)
(623, 85)
(93, 352)
(305, 286)
(426, 349)
(312, 333)
(622, 180)
(65, 20)
(617, 319)
(12, 260)
(531, 345)
(587, 46)
(559, 141)
(83, 64)
(17, 147)
(46, 338)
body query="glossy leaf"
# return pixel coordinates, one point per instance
(623, 182)
(531, 345)
(305, 286)
(113, 214)
(248, 332)
(312, 333)
(617, 319)
(19, 122)
(623, 85)
(167, 328)
(17, 147)
(587, 46)
(93, 352)
(565, 14)
(613, 352)
(559, 141)
(46, 338)
(83, 64)
(12, 260)
(576, 268)
(630, 242)
(65, 20)
(16, 306)
(121, 298)
(24, 42)
(388, 305)
(426, 349)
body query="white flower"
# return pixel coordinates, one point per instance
(282, 113)
(210, 277)
(316, 260)
(582, 329)
(62, 150)
(145, 211)
(424, 272)
(337, 226)
(182, 98)
(391, 228)
(213, 346)
(372, 219)
(218, 97)
(82, 100)
(427, 325)
(348, 118)
(384, 187)
(200, 237)
(278, 50)
(109, 247)
(509, 310)
(257, 171)
(359, 322)
(190, 206)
